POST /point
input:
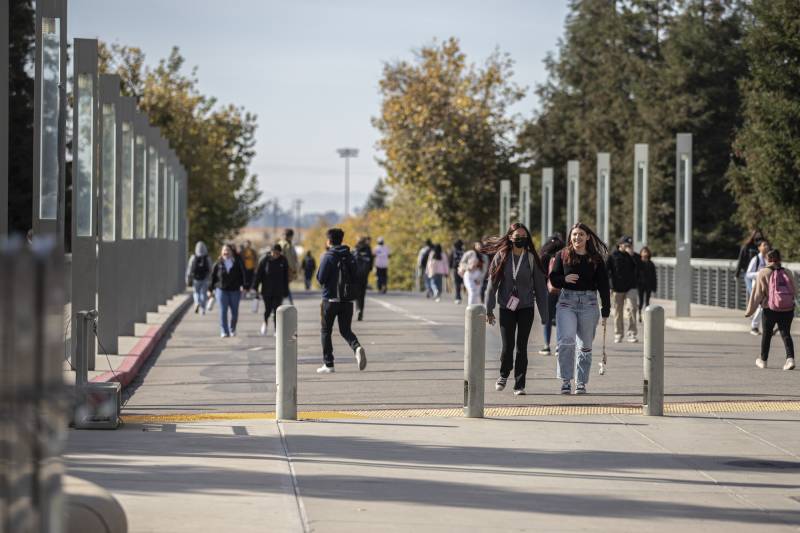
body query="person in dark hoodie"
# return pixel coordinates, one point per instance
(198, 274)
(364, 261)
(272, 277)
(337, 277)
(623, 270)
(309, 267)
(647, 282)
(227, 282)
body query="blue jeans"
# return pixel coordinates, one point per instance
(436, 284)
(228, 299)
(200, 292)
(577, 315)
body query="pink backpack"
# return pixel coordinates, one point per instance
(781, 291)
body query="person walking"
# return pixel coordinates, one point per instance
(422, 264)
(580, 272)
(271, 280)
(198, 274)
(364, 261)
(748, 251)
(455, 259)
(291, 257)
(622, 269)
(548, 253)
(473, 267)
(309, 267)
(758, 262)
(337, 277)
(382, 265)
(249, 260)
(516, 283)
(227, 282)
(437, 269)
(647, 281)
(774, 291)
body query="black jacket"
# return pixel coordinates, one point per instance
(622, 271)
(228, 281)
(272, 276)
(746, 253)
(647, 276)
(363, 255)
(309, 266)
(328, 273)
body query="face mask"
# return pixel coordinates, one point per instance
(520, 242)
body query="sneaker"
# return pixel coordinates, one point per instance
(361, 358)
(580, 388)
(196, 308)
(500, 384)
(755, 331)
(324, 369)
(223, 335)
(760, 363)
(233, 333)
(437, 299)
(202, 310)
(519, 392)
(789, 364)
(566, 387)
(458, 302)
(632, 338)
(263, 329)
(545, 350)
(617, 338)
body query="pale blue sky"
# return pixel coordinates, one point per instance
(310, 68)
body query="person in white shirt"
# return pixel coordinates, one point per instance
(756, 263)
(381, 253)
(472, 268)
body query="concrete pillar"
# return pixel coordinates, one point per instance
(683, 225)
(505, 205)
(286, 364)
(128, 293)
(653, 393)
(603, 194)
(474, 360)
(525, 200)
(547, 203)
(573, 194)
(641, 177)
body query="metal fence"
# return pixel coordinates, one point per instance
(714, 281)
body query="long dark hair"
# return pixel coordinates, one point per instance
(437, 251)
(596, 249)
(756, 236)
(500, 247)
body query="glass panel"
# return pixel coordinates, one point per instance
(175, 204)
(48, 145)
(152, 193)
(601, 205)
(639, 232)
(547, 228)
(84, 156)
(571, 203)
(138, 188)
(127, 181)
(109, 159)
(162, 208)
(682, 178)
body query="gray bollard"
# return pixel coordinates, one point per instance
(474, 360)
(653, 397)
(286, 364)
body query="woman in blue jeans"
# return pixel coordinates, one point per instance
(579, 271)
(228, 283)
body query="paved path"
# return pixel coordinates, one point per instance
(415, 352)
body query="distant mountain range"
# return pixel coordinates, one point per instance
(286, 219)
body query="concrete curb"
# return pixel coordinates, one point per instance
(136, 357)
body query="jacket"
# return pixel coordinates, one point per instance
(249, 258)
(381, 256)
(328, 273)
(288, 251)
(272, 277)
(437, 266)
(539, 290)
(309, 265)
(622, 271)
(760, 294)
(228, 281)
(746, 253)
(647, 280)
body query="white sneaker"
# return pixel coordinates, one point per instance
(361, 358)
(789, 364)
(519, 392)
(326, 370)
(437, 299)
(631, 338)
(263, 329)
(458, 302)
(223, 335)
(233, 333)
(754, 331)
(617, 338)
(760, 363)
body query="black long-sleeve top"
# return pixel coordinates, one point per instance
(591, 277)
(272, 276)
(232, 280)
(647, 276)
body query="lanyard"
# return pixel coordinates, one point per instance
(516, 266)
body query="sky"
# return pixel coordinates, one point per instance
(310, 69)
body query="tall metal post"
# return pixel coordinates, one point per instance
(653, 393)
(505, 205)
(85, 187)
(525, 200)
(347, 153)
(603, 194)
(547, 203)
(683, 225)
(641, 176)
(573, 193)
(4, 122)
(474, 360)
(286, 364)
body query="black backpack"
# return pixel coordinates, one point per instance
(200, 267)
(362, 265)
(346, 281)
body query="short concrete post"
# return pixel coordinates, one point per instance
(653, 397)
(286, 364)
(474, 360)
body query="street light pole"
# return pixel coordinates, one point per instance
(347, 153)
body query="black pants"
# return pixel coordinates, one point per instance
(271, 305)
(330, 311)
(362, 294)
(515, 324)
(458, 282)
(784, 321)
(307, 279)
(383, 278)
(644, 298)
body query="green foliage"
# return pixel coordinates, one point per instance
(765, 173)
(378, 198)
(214, 143)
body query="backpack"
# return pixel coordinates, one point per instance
(362, 265)
(781, 293)
(201, 267)
(346, 281)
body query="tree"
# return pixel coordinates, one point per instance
(378, 198)
(446, 135)
(765, 173)
(214, 143)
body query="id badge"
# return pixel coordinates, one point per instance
(512, 303)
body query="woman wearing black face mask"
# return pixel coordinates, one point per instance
(517, 283)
